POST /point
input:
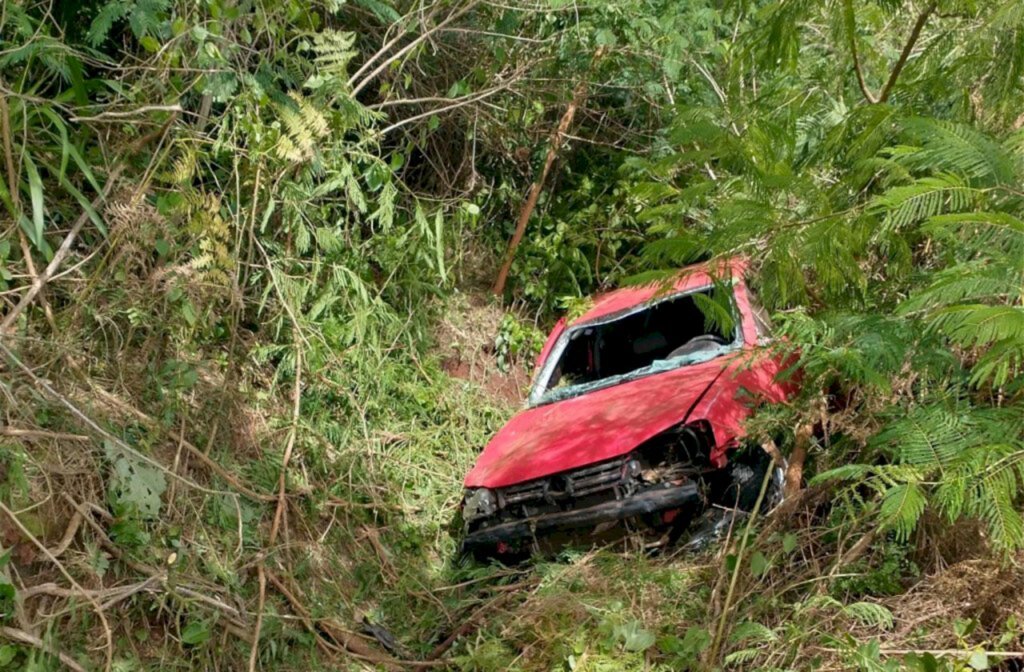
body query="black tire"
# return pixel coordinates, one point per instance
(739, 484)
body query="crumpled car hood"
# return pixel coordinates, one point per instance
(595, 426)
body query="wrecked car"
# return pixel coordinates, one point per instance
(636, 412)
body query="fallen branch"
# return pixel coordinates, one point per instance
(307, 620)
(108, 594)
(855, 551)
(122, 114)
(333, 637)
(29, 434)
(105, 541)
(69, 535)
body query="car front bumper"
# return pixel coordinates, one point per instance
(665, 497)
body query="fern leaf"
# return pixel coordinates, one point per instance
(108, 15)
(901, 508)
(958, 148)
(927, 197)
(871, 614)
(977, 325)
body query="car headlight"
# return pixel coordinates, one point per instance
(479, 503)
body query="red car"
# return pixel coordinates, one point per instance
(634, 411)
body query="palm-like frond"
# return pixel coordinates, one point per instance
(901, 508)
(929, 436)
(927, 197)
(957, 148)
(978, 325)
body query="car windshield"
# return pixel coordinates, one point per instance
(667, 334)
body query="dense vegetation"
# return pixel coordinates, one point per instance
(248, 346)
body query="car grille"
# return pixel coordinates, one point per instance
(554, 492)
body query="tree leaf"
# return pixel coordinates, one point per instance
(978, 661)
(635, 638)
(195, 633)
(758, 564)
(135, 483)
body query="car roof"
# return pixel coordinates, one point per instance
(690, 277)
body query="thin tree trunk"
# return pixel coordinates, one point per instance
(901, 62)
(795, 469)
(538, 184)
(908, 48)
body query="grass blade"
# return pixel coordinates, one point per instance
(35, 188)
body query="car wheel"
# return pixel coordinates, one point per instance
(740, 483)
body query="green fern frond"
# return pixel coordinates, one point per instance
(1001, 363)
(146, 17)
(871, 614)
(901, 508)
(929, 436)
(304, 124)
(846, 472)
(101, 24)
(383, 11)
(752, 631)
(988, 231)
(957, 148)
(995, 503)
(974, 281)
(977, 325)
(333, 51)
(742, 657)
(675, 251)
(717, 310)
(927, 197)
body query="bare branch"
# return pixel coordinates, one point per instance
(462, 102)
(851, 33)
(901, 62)
(116, 114)
(915, 33)
(407, 48)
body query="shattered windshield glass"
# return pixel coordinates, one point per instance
(677, 331)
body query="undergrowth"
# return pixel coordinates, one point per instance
(246, 357)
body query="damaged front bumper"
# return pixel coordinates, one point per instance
(663, 497)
